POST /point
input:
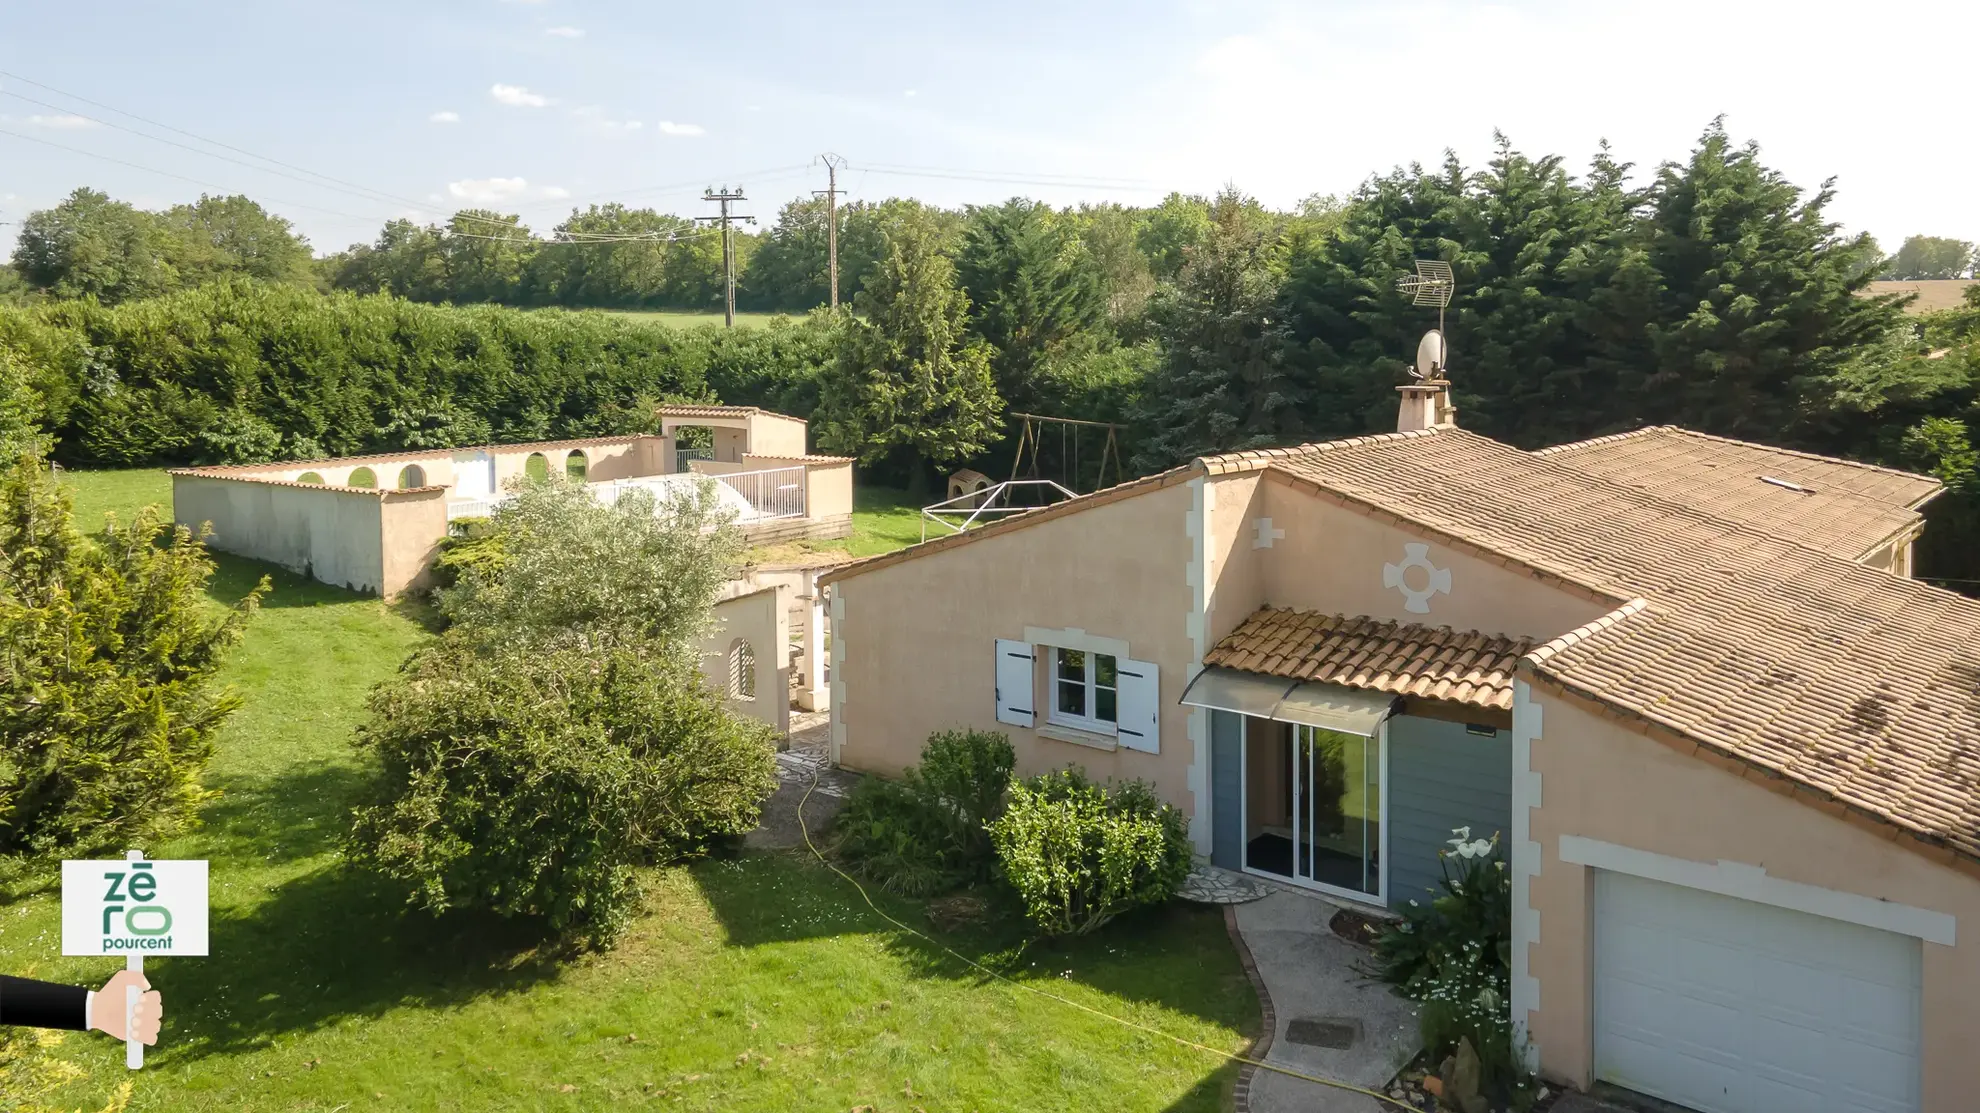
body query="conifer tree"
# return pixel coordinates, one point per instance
(1223, 382)
(908, 378)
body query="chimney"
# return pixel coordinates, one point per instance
(1426, 405)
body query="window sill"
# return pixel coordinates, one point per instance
(1077, 737)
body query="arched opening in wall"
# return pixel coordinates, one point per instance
(537, 466)
(309, 477)
(410, 476)
(362, 477)
(742, 670)
(576, 467)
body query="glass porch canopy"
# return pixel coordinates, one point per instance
(1305, 702)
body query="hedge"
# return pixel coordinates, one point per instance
(240, 372)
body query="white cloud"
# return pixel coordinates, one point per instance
(497, 191)
(64, 122)
(517, 96)
(447, 116)
(687, 131)
(488, 191)
(565, 32)
(912, 93)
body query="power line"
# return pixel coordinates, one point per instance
(190, 135)
(1000, 176)
(170, 174)
(365, 192)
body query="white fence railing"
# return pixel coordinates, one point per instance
(472, 508)
(771, 493)
(754, 496)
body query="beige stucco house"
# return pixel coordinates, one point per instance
(374, 523)
(1730, 748)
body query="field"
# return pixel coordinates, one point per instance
(685, 319)
(755, 981)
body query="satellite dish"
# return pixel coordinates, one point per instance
(1430, 356)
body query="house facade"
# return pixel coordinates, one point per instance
(1730, 750)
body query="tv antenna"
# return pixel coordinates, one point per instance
(1432, 284)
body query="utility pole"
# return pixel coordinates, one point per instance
(831, 195)
(726, 196)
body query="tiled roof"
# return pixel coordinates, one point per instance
(411, 454)
(719, 411)
(1409, 659)
(1839, 506)
(1855, 684)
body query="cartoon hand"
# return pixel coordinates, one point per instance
(106, 1009)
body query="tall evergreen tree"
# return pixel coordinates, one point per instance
(1755, 298)
(1223, 382)
(1033, 286)
(908, 378)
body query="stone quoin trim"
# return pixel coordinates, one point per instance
(838, 716)
(1524, 854)
(1196, 527)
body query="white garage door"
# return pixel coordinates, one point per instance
(1728, 1006)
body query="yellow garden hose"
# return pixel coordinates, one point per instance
(1123, 1021)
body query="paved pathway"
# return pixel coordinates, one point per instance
(1316, 988)
(807, 758)
(1211, 885)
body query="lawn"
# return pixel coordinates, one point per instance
(883, 520)
(757, 981)
(687, 319)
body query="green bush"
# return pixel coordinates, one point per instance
(1454, 955)
(929, 831)
(239, 371)
(1079, 854)
(531, 782)
(108, 650)
(470, 549)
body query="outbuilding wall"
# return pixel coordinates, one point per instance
(756, 615)
(331, 533)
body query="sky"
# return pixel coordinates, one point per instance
(532, 106)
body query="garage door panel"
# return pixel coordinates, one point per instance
(1728, 1005)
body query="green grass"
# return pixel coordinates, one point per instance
(754, 982)
(687, 319)
(883, 520)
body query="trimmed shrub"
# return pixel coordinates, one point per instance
(108, 650)
(531, 782)
(929, 831)
(238, 371)
(1079, 854)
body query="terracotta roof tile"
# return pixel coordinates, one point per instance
(1853, 683)
(718, 411)
(1842, 507)
(1433, 662)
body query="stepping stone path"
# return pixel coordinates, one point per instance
(1210, 885)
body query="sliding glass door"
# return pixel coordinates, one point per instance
(1314, 806)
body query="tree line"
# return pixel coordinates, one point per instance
(1707, 291)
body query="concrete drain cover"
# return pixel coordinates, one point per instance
(1337, 1032)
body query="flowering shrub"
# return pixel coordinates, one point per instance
(1454, 955)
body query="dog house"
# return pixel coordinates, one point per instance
(968, 483)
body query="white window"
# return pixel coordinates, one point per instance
(1085, 690)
